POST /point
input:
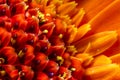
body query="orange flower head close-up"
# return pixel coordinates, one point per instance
(59, 39)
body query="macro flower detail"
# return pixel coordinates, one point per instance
(57, 40)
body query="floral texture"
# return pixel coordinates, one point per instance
(59, 40)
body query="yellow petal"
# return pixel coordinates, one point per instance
(98, 42)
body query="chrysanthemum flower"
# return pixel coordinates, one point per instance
(59, 40)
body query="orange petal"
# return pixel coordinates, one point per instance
(104, 18)
(78, 17)
(60, 27)
(92, 7)
(117, 76)
(70, 6)
(116, 58)
(98, 42)
(83, 57)
(108, 19)
(56, 2)
(104, 72)
(72, 30)
(44, 2)
(86, 59)
(51, 10)
(101, 60)
(81, 31)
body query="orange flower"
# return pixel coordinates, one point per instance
(59, 40)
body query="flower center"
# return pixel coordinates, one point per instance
(2, 12)
(2, 23)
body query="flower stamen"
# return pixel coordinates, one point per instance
(2, 60)
(21, 74)
(2, 73)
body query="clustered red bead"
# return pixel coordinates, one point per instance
(30, 46)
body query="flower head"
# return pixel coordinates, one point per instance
(54, 40)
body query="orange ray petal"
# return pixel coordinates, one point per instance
(70, 6)
(98, 42)
(101, 60)
(116, 58)
(73, 31)
(85, 58)
(117, 76)
(44, 2)
(108, 19)
(81, 31)
(104, 72)
(78, 17)
(92, 7)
